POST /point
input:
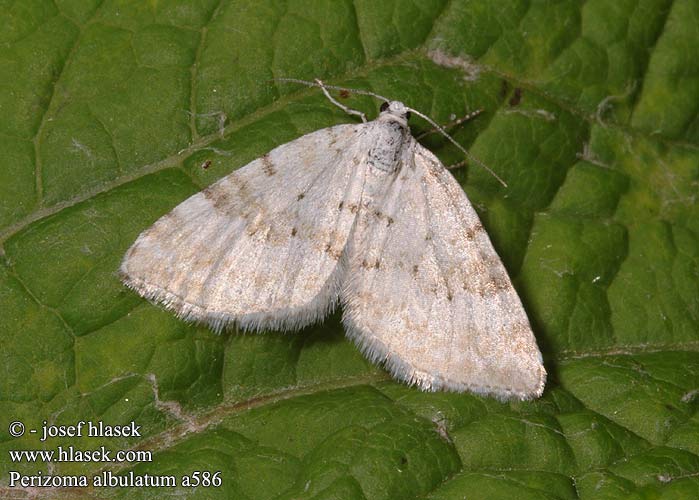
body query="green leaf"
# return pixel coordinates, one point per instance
(110, 111)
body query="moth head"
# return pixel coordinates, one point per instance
(395, 111)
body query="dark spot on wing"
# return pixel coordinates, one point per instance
(490, 287)
(371, 265)
(293, 231)
(339, 207)
(219, 198)
(333, 137)
(300, 197)
(494, 286)
(381, 216)
(231, 190)
(473, 231)
(334, 253)
(268, 166)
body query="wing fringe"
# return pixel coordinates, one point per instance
(377, 352)
(289, 319)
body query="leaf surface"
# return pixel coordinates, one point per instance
(112, 110)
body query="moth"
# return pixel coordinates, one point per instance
(360, 215)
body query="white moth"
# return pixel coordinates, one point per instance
(359, 214)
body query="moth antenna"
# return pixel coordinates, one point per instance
(324, 86)
(461, 148)
(332, 87)
(337, 103)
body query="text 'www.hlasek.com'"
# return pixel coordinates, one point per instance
(113, 469)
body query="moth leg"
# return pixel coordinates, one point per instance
(458, 164)
(344, 108)
(453, 123)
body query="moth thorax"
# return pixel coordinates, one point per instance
(388, 140)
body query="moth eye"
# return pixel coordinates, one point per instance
(384, 107)
(407, 115)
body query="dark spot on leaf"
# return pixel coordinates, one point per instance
(516, 97)
(504, 89)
